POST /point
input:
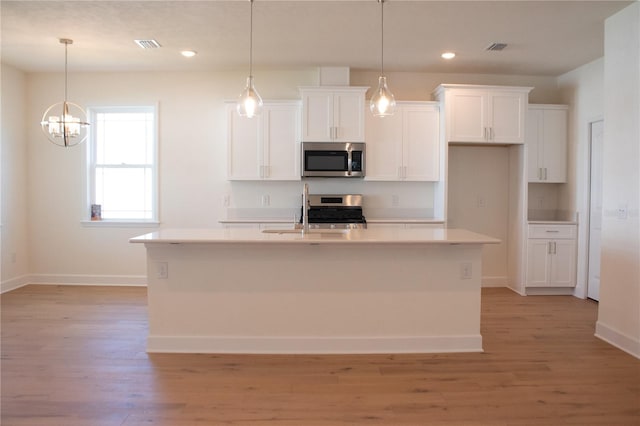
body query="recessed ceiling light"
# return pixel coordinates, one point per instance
(448, 55)
(188, 53)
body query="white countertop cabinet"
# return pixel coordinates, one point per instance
(546, 141)
(551, 256)
(333, 114)
(484, 114)
(406, 145)
(265, 147)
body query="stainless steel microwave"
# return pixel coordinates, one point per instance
(333, 159)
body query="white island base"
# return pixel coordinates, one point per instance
(386, 291)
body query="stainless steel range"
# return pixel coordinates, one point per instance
(339, 211)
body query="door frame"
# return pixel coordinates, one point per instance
(584, 209)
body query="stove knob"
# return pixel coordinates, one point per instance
(333, 226)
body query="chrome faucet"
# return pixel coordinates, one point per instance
(305, 207)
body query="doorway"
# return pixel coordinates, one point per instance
(596, 137)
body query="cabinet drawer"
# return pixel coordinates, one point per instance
(552, 231)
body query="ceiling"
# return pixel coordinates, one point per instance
(543, 37)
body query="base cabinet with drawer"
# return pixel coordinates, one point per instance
(551, 256)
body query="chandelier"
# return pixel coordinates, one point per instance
(65, 123)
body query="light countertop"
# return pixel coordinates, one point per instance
(365, 236)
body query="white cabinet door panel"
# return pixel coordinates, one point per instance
(538, 263)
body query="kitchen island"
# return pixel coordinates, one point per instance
(332, 291)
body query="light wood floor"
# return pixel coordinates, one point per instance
(76, 356)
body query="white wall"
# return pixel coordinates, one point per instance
(15, 253)
(415, 86)
(619, 309)
(478, 192)
(192, 170)
(583, 90)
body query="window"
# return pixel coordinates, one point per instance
(122, 170)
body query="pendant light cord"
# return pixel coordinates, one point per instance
(66, 45)
(382, 37)
(251, 40)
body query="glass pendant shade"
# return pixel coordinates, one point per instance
(382, 102)
(250, 102)
(65, 124)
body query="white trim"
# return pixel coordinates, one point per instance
(90, 280)
(549, 291)
(500, 281)
(14, 283)
(119, 223)
(620, 340)
(313, 345)
(90, 157)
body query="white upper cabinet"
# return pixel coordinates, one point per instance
(546, 141)
(333, 114)
(265, 147)
(404, 146)
(484, 114)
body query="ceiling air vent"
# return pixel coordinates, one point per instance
(496, 46)
(148, 44)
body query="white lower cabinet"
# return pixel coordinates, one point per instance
(551, 256)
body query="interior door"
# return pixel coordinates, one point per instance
(595, 210)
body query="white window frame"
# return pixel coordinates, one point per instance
(91, 166)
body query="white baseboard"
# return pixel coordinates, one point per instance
(313, 345)
(14, 283)
(549, 291)
(620, 340)
(494, 282)
(60, 279)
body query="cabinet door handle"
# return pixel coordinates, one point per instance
(554, 248)
(404, 172)
(490, 133)
(485, 134)
(554, 231)
(545, 173)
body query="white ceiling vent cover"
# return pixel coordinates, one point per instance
(148, 44)
(496, 46)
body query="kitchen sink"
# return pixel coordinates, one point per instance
(310, 231)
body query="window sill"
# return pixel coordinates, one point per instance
(119, 223)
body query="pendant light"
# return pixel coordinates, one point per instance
(382, 102)
(250, 102)
(65, 123)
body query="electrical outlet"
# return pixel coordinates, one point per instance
(482, 202)
(466, 271)
(226, 200)
(395, 200)
(162, 270)
(266, 200)
(622, 211)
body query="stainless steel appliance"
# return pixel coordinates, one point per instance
(335, 211)
(333, 159)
